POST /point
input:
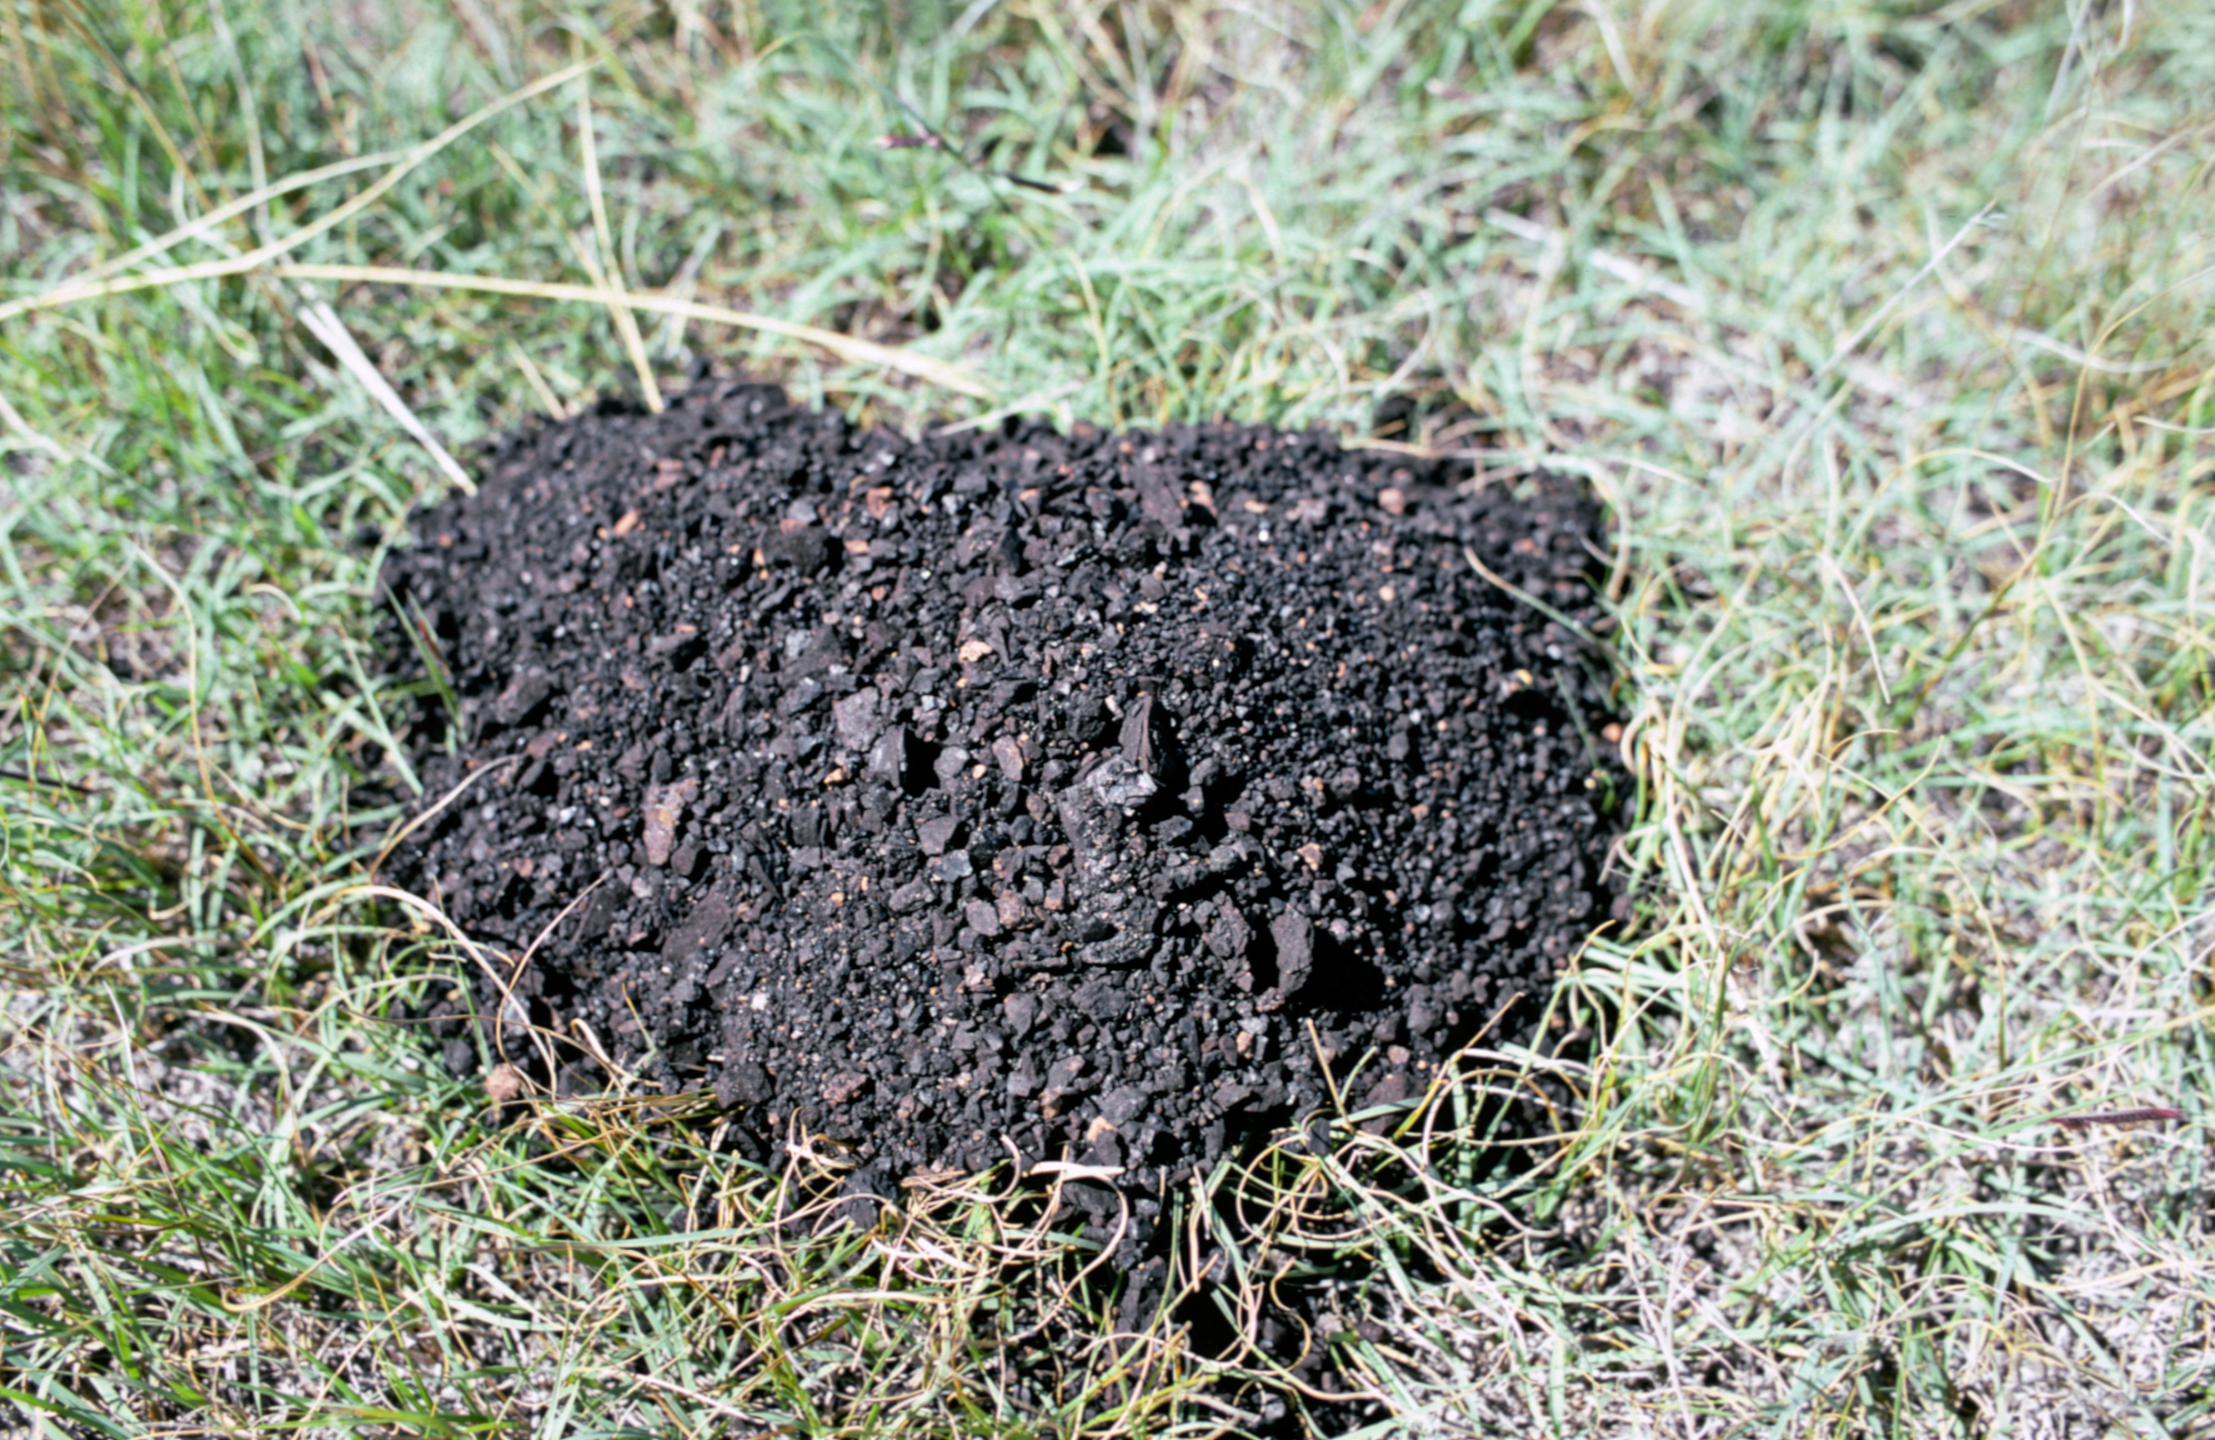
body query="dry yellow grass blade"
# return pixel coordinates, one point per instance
(846, 347)
(323, 322)
(944, 375)
(264, 254)
(252, 199)
(602, 264)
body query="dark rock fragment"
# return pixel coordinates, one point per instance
(1122, 1105)
(1390, 1090)
(935, 834)
(1294, 935)
(856, 719)
(525, 695)
(742, 1083)
(890, 759)
(1105, 1151)
(806, 548)
(705, 929)
(871, 1192)
(1157, 495)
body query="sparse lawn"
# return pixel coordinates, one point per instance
(1885, 333)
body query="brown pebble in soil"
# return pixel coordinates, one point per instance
(505, 1082)
(1082, 794)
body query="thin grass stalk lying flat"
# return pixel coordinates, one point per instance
(261, 255)
(604, 268)
(104, 282)
(846, 347)
(323, 323)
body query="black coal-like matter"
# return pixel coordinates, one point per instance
(1069, 796)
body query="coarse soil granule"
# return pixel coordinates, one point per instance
(1070, 797)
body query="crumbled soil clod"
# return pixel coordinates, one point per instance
(1081, 793)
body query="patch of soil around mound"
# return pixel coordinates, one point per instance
(1076, 796)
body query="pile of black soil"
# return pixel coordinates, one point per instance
(1069, 797)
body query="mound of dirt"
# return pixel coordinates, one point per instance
(1081, 797)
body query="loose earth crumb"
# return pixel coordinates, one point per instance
(1086, 794)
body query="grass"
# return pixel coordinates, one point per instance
(1885, 333)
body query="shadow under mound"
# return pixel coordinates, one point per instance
(1076, 799)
